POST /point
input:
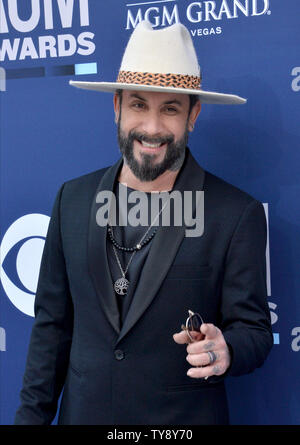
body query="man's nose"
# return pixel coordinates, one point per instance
(152, 125)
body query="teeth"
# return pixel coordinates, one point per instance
(147, 145)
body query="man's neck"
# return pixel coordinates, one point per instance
(163, 183)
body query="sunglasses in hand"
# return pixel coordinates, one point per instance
(193, 324)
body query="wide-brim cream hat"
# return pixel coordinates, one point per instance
(162, 60)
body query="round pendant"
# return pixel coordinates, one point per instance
(121, 286)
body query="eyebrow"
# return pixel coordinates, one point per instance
(169, 102)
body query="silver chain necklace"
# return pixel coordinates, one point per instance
(121, 284)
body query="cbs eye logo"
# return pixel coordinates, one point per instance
(21, 252)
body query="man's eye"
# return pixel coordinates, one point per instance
(138, 105)
(171, 110)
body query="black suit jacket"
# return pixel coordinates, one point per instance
(136, 374)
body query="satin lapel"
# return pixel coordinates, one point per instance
(97, 252)
(164, 247)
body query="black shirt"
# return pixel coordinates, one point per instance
(128, 235)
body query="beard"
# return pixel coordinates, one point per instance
(147, 169)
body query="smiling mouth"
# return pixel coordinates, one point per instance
(148, 145)
(151, 145)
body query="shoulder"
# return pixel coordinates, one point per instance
(86, 180)
(82, 186)
(217, 192)
(228, 201)
(218, 189)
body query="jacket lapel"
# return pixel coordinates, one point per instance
(164, 246)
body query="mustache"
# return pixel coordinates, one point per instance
(143, 137)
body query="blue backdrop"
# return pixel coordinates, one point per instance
(51, 132)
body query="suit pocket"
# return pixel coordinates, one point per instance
(189, 272)
(75, 371)
(74, 382)
(191, 387)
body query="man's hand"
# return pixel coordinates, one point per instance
(209, 339)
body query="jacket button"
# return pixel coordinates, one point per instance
(119, 354)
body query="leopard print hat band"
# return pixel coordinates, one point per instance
(161, 80)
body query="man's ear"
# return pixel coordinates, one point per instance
(116, 107)
(195, 111)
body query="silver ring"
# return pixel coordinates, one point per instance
(212, 357)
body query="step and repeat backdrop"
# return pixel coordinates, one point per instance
(51, 132)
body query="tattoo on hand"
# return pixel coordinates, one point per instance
(217, 370)
(209, 346)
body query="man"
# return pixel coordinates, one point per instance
(110, 300)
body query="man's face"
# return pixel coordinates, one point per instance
(153, 130)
